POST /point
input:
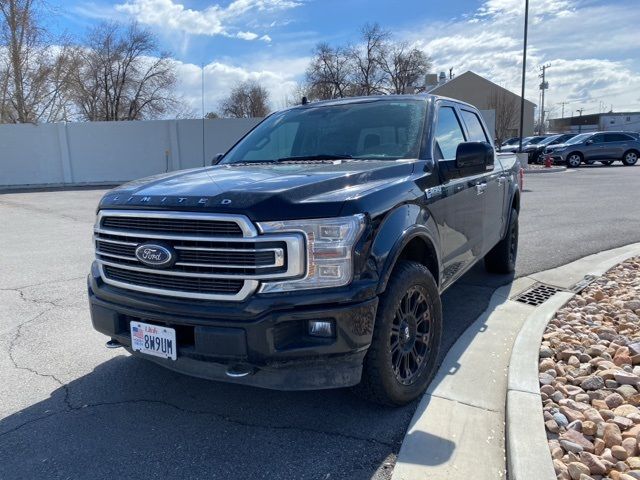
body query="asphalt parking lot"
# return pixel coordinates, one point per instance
(72, 409)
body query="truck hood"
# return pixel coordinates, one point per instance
(263, 191)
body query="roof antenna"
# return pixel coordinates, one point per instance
(304, 100)
(450, 73)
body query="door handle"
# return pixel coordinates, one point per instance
(480, 188)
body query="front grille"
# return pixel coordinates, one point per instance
(207, 260)
(174, 283)
(173, 225)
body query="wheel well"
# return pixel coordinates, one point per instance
(576, 153)
(631, 150)
(421, 251)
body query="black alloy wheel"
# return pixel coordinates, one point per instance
(410, 338)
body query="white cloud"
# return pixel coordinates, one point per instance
(592, 49)
(213, 20)
(247, 35)
(277, 76)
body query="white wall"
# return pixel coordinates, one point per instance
(111, 152)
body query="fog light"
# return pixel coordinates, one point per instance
(321, 328)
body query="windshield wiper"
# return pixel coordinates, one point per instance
(321, 156)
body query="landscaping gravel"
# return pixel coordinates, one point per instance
(590, 380)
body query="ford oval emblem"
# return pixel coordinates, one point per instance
(154, 255)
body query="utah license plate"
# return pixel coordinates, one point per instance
(153, 340)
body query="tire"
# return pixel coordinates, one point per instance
(607, 162)
(404, 338)
(630, 158)
(574, 160)
(502, 257)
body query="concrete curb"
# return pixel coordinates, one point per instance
(529, 171)
(526, 441)
(488, 383)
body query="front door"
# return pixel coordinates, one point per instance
(459, 211)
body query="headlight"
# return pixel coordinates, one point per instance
(330, 244)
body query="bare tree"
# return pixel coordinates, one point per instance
(507, 111)
(377, 65)
(330, 73)
(406, 68)
(34, 74)
(248, 99)
(368, 76)
(123, 76)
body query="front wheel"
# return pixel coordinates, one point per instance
(630, 158)
(502, 257)
(574, 160)
(401, 360)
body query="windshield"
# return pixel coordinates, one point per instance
(535, 140)
(578, 138)
(550, 139)
(368, 130)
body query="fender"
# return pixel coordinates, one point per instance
(396, 230)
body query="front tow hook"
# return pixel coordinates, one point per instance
(113, 343)
(239, 371)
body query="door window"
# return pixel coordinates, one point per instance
(597, 138)
(616, 137)
(474, 127)
(448, 134)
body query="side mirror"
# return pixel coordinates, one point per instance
(215, 160)
(474, 154)
(472, 158)
(588, 142)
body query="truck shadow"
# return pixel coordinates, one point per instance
(129, 418)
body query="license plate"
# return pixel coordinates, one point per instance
(153, 340)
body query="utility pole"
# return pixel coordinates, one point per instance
(204, 161)
(544, 85)
(524, 71)
(563, 104)
(580, 120)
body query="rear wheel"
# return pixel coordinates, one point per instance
(401, 360)
(630, 158)
(502, 257)
(574, 160)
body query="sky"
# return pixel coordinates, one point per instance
(592, 46)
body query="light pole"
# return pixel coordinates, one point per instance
(524, 71)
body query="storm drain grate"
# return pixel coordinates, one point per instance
(537, 295)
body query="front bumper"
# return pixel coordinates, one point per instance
(272, 344)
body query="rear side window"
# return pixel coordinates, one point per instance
(448, 134)
(474, 127)
(597, 138)
(616, 137)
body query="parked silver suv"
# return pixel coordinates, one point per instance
(606, 147)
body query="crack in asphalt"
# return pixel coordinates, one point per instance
(12, 344)
(71, 408)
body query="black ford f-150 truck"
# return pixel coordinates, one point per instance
(313, 253)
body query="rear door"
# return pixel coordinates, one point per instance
(616, 145)
(459, 210)
(492, 186)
